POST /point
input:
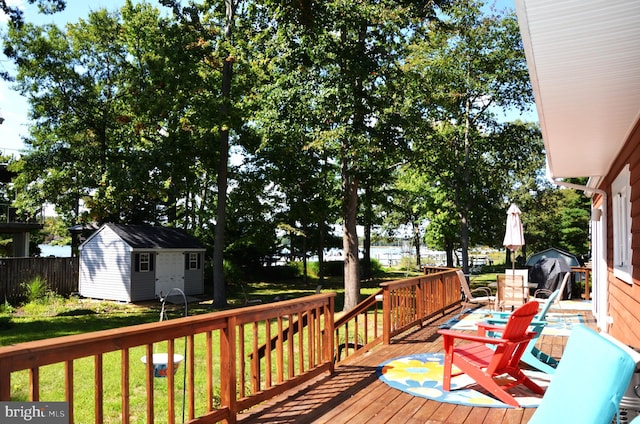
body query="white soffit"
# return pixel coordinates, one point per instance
(584, 62)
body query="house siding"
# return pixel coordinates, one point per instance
(105, 262)
(624, 298)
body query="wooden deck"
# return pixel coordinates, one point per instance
(353, 394)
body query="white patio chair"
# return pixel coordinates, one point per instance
(511, 292)
(485, 299)
(560, 289)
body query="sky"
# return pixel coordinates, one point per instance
(14, 107)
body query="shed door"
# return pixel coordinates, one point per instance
(169, 272)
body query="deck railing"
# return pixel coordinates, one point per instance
(224, 373)
(581, 273)
(360, 328)
(232, 359)
(410, 302)
(395, 308)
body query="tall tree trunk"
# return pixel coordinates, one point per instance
(321, 244)
(366, 243)
(350, 235)
(417, 242)
(305, 230)
(366, 256)
(219, 286)
(448, 247)
(465, 202)
(464, 241)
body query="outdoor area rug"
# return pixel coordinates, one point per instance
(421, 375)
(573, 305)
(558, 324)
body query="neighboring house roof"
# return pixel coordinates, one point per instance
(584, 63)
(148, 237)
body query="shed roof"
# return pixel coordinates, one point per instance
(149, 237)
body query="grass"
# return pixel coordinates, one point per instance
(60, 317)
(52, 376)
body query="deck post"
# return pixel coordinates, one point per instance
(228, 369)
(386, 315)
(329, 320)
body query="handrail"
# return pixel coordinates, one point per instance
(410, 302)
(230, 354)
(222, 363)
(405, 303)
(360, 329)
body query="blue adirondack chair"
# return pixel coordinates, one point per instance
(534, 356)
(589, 383)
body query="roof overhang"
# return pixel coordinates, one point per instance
(584, 63)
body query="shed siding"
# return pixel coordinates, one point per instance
(624, 298)
(143, 284)
(194, 278)
(105, 262)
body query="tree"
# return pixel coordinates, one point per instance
(411, 203)
(227, 56)
(228, 35)
(555, 217)
(46, 6)
(115, 130)
(470, 66)
(351, 53)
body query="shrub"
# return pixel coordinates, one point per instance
(36, 289)
(6, 308)
(376, 268)
(313, 269)
(232, 272)
(5, 322)
(286, 272)
(334, 269)
(5, 315)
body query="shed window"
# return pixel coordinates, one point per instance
(621, 215)
(144, 262)
(193, 261)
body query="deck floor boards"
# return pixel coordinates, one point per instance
(353, 393)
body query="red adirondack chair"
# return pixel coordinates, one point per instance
(483, 364)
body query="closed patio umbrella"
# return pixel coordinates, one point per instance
(514, 235)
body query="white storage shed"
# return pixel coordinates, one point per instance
(131, 263)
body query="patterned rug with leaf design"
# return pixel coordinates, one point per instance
(421, 375)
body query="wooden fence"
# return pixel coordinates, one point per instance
(60, 274)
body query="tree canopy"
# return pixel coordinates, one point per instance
(261, 126)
